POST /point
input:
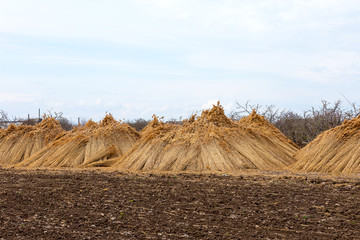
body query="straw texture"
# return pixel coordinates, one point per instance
(334, 151)
(20, 142)
(86, 146)
(211, 142)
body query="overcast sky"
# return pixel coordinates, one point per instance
(136, 58)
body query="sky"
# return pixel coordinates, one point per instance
(136, 58)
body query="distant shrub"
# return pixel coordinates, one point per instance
(138, 124)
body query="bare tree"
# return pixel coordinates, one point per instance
(326, 117)
(301, 128)
(354, 109)
(270, 112)
(3, 118)
(65, 123)
(138, 124)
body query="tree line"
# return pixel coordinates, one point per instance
(302, 127)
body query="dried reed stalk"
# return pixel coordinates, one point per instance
(211, 142)
(20, 142)
(84, 146)
(334, 151)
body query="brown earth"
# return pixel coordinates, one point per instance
(66, 204)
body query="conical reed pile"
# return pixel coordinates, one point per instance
(334, 151)
(20, 142)
(259, 124)
(85, 146)
(211, 142)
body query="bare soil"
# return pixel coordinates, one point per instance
(66, 204)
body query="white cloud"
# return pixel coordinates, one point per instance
(73, 60)
(82, 103)
(17, 98)
(165, 107)
(319, 67)
(56, 104)
(141, 22)
(98, 102)
(90, 103)
(227, 105)
(209, 104)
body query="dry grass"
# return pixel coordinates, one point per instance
(258, 124)
(211, 142)
(334, 151)
(86, 146)
(20, 142)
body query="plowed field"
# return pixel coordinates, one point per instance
(65, 204)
